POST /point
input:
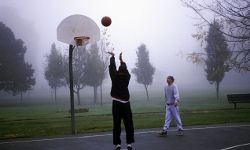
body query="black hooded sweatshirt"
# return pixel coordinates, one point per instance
(120, 80)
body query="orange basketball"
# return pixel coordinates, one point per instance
(106, 21)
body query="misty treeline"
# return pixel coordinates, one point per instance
(223, 30)
(16, 75)
(89, 69)
(90, 65)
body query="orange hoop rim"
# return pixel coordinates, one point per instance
(79, 40)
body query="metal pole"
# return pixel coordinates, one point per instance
(72, 110)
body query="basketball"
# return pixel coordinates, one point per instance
(106, 21)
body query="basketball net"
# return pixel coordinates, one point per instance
(80, 40)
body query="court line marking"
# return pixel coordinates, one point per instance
(235, 146)
(110, 134)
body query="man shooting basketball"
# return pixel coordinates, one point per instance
(121, 106)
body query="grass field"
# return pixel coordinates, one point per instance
(49, 119)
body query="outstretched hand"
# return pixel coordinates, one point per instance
(120, 57)
(111, 53)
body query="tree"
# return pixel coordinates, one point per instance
(144, 71)
(234, 15)
(54, 70)
(16, 76)
(104, 47)
(94, 70)
(25, 80)
(218, 55)
(78, 64)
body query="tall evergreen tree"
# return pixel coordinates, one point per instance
(218, 55)
(16, 76)
(54, 70)
(94, 70)
(79, 63)
(143, 71)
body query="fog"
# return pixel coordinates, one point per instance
(164, 26)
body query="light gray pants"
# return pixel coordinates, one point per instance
(172, 111)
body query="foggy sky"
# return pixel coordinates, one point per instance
(164, 26)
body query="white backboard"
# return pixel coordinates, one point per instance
(76, 26)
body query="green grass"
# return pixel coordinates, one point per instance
(32, 120)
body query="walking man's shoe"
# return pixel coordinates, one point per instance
(129, 147)
(118, 147)
(163, 133)
(180, 132)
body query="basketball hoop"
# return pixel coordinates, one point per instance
(76, 30)
(79, 40)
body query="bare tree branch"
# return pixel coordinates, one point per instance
(234, 17)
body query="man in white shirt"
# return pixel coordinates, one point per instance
(172, 98)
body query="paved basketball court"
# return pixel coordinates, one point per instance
(211, 137)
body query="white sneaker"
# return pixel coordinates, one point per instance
(180, 132)
(163, 133)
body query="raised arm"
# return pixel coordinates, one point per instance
(120, 57)
(112, 65)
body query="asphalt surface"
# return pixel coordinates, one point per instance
(207, 137)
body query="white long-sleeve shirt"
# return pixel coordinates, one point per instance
(171, 93)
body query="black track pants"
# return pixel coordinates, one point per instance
(122, 111)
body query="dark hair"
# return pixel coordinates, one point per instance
(171, 78)
(123, 67)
